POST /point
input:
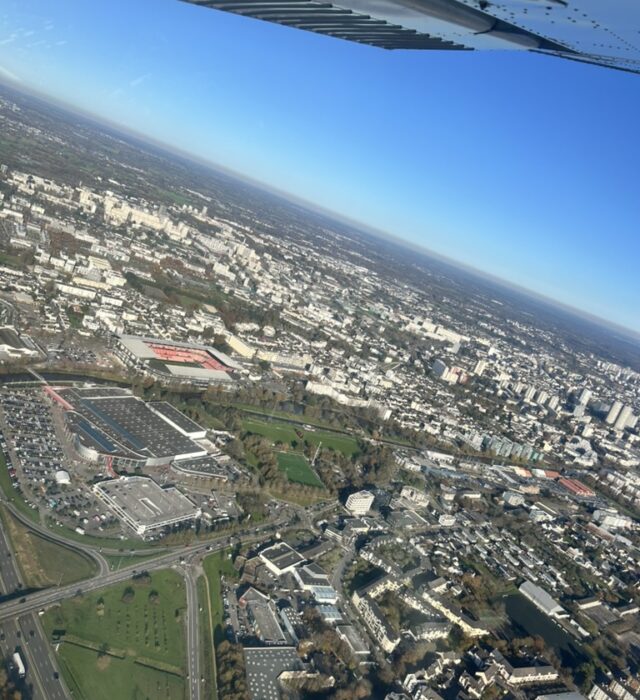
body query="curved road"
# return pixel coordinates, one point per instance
(18, 618)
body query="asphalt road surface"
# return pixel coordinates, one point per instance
(20, 623)
(43, 679)
(193, 635)
(49, 596)
(9, 577)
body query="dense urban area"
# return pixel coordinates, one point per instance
(250, 452)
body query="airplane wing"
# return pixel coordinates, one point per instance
(602, 32)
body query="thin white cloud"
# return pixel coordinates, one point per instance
(62, 42)
(139, 80)
(9, 75)
(9, 39)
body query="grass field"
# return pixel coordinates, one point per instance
(215, 566)
(143, 633)
(297, 469)
(315, 422)
(286, 433)
(44, 563)
(209, 687)
(107, 678)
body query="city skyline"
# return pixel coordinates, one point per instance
(580, 254)
(289, 445)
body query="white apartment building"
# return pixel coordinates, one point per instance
(359, 503)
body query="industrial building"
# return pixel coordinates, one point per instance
(178, 420)
(261, 614)
(314, 580)
(143, 505)
(281, 558)
(265, 665)
(112, 426)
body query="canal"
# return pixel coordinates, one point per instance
(527, 619)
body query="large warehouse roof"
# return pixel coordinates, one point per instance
(121, 423)
(143, 505)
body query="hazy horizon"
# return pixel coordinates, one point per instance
(339, 217)
(446, 150)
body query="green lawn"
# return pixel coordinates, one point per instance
(215, 566)
(297, 469)
(286, 433)
(144, 637)
(44, 563)
(206, 642)
(108, 678)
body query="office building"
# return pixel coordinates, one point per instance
(359, 503)
(623, 419)
(615, 409)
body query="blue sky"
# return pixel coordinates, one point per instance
(520, 165)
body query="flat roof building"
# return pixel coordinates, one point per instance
(143, 505)
(178, 420)
(261, 614)
(281, 558)
(541, 599)
(348, 634)
(112, 423)
(264, 666)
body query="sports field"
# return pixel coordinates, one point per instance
(286, 433)
(297, 469)
(126, 641)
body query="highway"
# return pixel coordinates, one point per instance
(9, 576)
(25, 631)
(49, 596)
(20, 623)
(46, 534)
(193, 633)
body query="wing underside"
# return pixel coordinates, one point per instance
(590, 31)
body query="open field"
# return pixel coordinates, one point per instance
(286, 433)
(130, 636)
(257, 411)
(43, 563)
(297, 469)
(215, 566)
(207, 660)
(108, 677)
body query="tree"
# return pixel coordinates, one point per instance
(128, 595)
